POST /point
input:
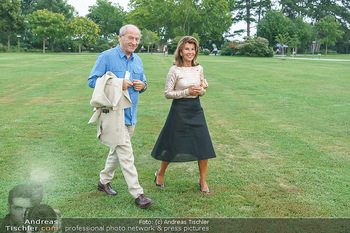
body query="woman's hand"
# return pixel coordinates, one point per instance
(195, 90)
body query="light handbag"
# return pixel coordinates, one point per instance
(204, 83)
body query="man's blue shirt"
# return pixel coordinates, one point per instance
(116, 61)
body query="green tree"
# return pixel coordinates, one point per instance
(215, 19)
(294, 43)
(248, 10)
(303, 31)
(273, 24)
(328, 29)
(186, 15)
(294, 8)
(56, 6)
(262, 7)
(26, 6)
(108, 17)
(149, 38)
(209, 18)
(46, 24)
(11, 20)
(282, 40)
(315, 10)
(84, 30)
(195, 35)
(142, 14)
(318, 9)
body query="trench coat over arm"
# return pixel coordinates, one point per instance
(109, 101)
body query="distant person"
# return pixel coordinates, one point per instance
(128, 68)
(185, 136)
(215, 50)
(165, 50)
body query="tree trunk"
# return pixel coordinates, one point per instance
(44, 44)
(8, 43)
(248, 18)
(79, 47)
(52, 42)
(148, 49)
(248, 26)
(326, 48)
(259, 13)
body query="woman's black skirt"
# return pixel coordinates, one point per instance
(185, 136)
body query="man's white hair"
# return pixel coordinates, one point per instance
(124, 29)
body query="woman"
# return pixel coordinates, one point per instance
(185, 136)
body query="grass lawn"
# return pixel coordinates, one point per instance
(280, 129)
(316, 56)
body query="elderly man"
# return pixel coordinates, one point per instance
(123, 63)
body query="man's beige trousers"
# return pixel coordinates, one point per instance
(123, 155)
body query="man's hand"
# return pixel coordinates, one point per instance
(126, 83)
(139, 85)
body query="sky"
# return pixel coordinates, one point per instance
(82, 7)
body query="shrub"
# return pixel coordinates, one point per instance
(257, 47)
(3, 48)
(14, 48)
(26, 45)
(102, 47)
(329, 51)
(206, 52)
(34, 50)
(228, 49)
(173, 44)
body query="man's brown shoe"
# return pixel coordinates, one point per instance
(106, 188)
(143, 202)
